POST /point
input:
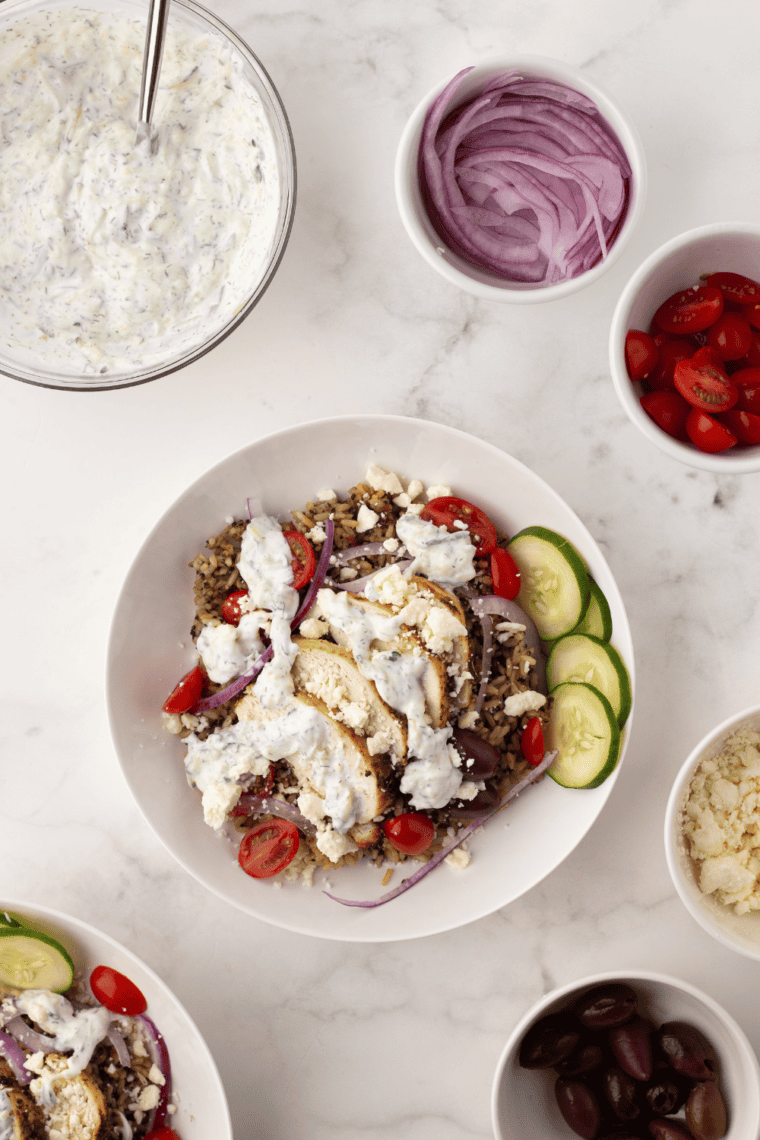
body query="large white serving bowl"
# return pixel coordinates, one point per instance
(150, 648)
(523, 1101)
(199, 1095)
(737, 931)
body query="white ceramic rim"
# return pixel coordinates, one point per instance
(68, 929)
(670, 834)
(725, 463)
(718, 1011)
(412, 213)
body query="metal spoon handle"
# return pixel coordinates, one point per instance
(158, 17)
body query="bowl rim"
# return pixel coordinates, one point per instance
(685, 773)
(283, 134)
(411, 211)
(623, 974)
(725, 462)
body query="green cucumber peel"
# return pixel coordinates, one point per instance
(30, 960)
(598, 617)
(555, 584)
(584, 730)
(583, 657)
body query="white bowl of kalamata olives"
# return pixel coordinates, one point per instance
(632, 1055)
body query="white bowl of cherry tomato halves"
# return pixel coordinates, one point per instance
(685, 348)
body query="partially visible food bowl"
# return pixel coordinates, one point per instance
(88, 301)
(738, 931)
(432, 232)
(679, 264)
(524, 1101)
(198, 1097)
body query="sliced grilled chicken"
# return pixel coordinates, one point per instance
(24, 1120)
(79, 1112)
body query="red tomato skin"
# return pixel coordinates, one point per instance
(641, 354)
(671, 351)
(505, 576)
(747, 382)
(162, 1133)
(690, 310)
(268, 847)
(304, 563)
(450, 508)
(736, 288)
(744, 425)
(231, 611)
(532, 742)
(730, 336)
(186, 693)
(116, 992)
(752, 313)
(704, 386)
(707, 433)
(669, 412)
(411, 833)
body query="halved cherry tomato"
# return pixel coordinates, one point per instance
(752, 313)
(231, 611)
(730, 336)
(707, 433)
(704, 386)
(411, 833)
(671, 350)
(504, 574)
(268, 848)
(304, 562)
(186, 694)
(736, 288)
(690, 310)
(641, 354)
(744, 425)
(162, 1133)
(116, 992)
(532, 742)
(669, 412)
(747, 382)
(450, 510)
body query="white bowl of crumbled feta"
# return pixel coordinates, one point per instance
(120, 263)
(711, 828)
(151, 648)
(197, 1104)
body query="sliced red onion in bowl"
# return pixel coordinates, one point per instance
(250, 804)
(16, 1058)
(32, 1040)
(160, 1056)
(436, 860)
(487, 606)
(120, 1046)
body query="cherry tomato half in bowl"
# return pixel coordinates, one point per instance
(186, 693)
(162, 1133)
(641, 354)
(532, 742)
(116, 992)
(669, 412)
(707, 433)
(505, 577)
(304, 563)
(449, 510)
(737, 289)
(747, 382)
(411, 833)
(268, 848)
(704, 386)
(744, 425)
(231, 611)
(730, 336)
(690, 310)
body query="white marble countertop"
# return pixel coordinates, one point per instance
(325, 1040)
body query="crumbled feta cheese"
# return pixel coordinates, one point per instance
(459, 858)
(402, 500)
(391, 545)
(148, 1098)
(317, 534)
(468, 719)
(326, 495)
(334, 845)
(313, 627)
(366, 518)
(520, 703)
(381, 480)
(347, 574)
(415, 488)
(438, 491)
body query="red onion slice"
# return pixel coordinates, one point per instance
(160, 1057)
(120, 1046)
(15, 1057)
(436, 860)
(494, 606)
(32, 1040)
(366, 550)
(250, 804)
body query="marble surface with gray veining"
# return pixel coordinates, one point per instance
(329, 1041)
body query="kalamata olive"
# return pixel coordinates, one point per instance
(631, 1045)
(621, 1093)
(668, 1130)
(579, 1107)
(666, 1092)
(481, 759)
(549, 1040)
(584, 1059)
(486, 800)
(706, 1116)
(607, 1005)
(687, 1051)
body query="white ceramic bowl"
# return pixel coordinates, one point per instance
(16, 361)
(150, 649)
(730, 246)
(200, 1098)
(739, 932)
(523, 1101)
(429, 243)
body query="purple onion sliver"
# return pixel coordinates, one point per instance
(32, 1040)
(157, 1117)
(15, 1057)
(486, 625)
(510, 611)
(320, 574)
(120, 1046)
(269, 805)
(435, 861)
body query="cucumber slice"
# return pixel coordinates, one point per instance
(30, 960)
(581, 657)
(583, 729)
(598, 619)
(554, 587)
(7, 920)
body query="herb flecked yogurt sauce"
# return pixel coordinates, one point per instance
(112, 257)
